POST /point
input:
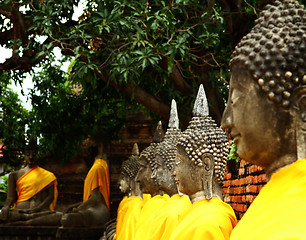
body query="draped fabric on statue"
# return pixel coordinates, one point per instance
(128, 214)
(150, 207)
(98, 176)
(145, 198)
(33, 181)
(279, 210)
(206, 219)
(167, 217)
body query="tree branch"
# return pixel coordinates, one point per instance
(140, 96)
(177, 77)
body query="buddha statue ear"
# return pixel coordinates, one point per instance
(208, 169)
(298, 110)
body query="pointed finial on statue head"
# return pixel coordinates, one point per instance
(159, 133)
(135, 150)
(173, 119)
(200, 108)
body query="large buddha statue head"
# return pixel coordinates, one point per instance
(266, 110)
(129, 170)
(164, 159)
(201, 155)
(144, 176)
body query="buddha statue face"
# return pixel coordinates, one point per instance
(162, 176)
(266, 112)
(124, 183)
(188, 176)
(129, 170)
(254, 122)
(144, 177)
(201, 159)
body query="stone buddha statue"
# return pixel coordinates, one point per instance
(94, 210)
(199, 168)
(163, 161)
(266, 117)
(32, 191)
(144, 176)
(129, 170)
(130, 206)
(165, 217)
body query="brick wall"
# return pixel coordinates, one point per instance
(240, 191)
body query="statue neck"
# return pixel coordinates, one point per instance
(197, 196)
(282, 162)
(216, 192)
(135, 189)
(159, 192)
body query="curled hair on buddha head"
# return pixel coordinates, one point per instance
(131, 166)
(275, 49)
(203, 136)
(149, 152)
(167, 148)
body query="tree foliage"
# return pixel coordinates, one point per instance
(126, 55)
(12, 125)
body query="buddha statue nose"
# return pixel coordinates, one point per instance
(227, 118)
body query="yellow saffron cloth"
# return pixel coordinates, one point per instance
(98, 176)
(206, 219)
(33, 181)
(279, 210)
(165, 220)
(127, 216)
(146, 197)
(121, 213)
(145, 218)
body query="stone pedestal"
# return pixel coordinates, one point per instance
(80, 233)
(27, 233)
(49, 233)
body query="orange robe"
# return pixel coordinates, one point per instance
(207, 219)
(146, 197)
(98, 176)
(123, 210)
(279, 210)
(128, 213)
(33, 181)
(150, 207)
(165, 220)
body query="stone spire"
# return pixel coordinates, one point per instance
(173, 119)
(135, 150)
(200, 108)
(159, 133)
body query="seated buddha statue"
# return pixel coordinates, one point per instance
(167, 215)
(266, 117)
(32, 191)
(94, 210)
(199, 168)
(131, 205)
(148, 184)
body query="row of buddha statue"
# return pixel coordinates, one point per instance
(173, 187)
